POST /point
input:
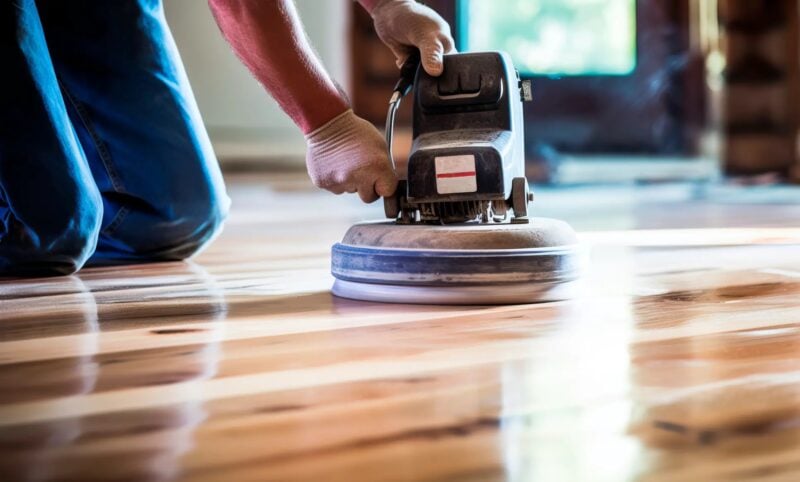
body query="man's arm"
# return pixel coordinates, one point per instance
(269, 38)
(345, 153)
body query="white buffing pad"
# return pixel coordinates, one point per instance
(508, 294)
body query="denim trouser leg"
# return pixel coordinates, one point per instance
(134, 111)
(50, 208)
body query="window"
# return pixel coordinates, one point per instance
(554, 37)
(610, 77)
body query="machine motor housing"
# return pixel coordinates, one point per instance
(468, 142)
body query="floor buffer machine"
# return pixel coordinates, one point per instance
(459, 229)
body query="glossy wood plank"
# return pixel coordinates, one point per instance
(680, 360)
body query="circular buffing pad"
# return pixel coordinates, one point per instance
(457, 264)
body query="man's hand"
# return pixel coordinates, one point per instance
(405, 24)
(348, 154)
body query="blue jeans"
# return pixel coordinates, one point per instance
(103, 155)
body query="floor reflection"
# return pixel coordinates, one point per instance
(138, 445)
(717, 376)
(564, 410)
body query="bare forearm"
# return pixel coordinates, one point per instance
(268, 37)
(368, 4)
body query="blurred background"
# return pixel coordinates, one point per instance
(624, 90)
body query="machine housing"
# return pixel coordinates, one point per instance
(467, 160)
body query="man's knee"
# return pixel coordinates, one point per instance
(195, 209)
(60, 248)
(175, 231)
(192, 228)
(64, 259)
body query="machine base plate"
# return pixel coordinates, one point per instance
(457, 264)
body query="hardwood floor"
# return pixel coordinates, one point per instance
(679, 361)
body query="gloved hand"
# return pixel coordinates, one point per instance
(348, 154)
(403, 24)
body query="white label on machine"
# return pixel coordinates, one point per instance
(455, 174)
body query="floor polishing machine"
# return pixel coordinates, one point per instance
(459, 230)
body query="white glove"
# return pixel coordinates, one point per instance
(348, 154)
(403, 24)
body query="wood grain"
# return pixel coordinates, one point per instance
(679, 361)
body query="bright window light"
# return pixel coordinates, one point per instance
(554, 37)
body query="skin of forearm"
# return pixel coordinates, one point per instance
(368, 4)
(268, 37)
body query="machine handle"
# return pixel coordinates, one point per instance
(392, 205)
(407, 73)
(403, 86)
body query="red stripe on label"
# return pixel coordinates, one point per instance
(455, 174)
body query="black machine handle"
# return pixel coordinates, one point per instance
(407, 73)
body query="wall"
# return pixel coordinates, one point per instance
(242, 120)
(761, 114)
